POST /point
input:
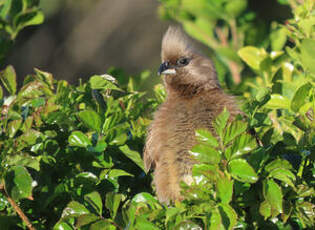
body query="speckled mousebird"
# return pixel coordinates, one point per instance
(194, 98)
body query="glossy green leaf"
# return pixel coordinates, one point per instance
(132, 155)
(62, 226)
(228, 215)
(95, 201)
(205, 136)
(243, 144)
(91, 119)
(283, 175)
(45, 77)
(188, 225)
(28, 18)
(77, 138)
(224, 188)
(8, 78)
(143, 223)
(24, 160)
(300, 96)
(205, 154)
(112, 202)
(233, 130)
(242, 171)
(75, 208)
(273, 194)
(18, 183)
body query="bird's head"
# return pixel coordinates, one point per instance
(186, 71)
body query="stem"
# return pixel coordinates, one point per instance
(17, 209)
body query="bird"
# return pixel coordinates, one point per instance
(193, 100)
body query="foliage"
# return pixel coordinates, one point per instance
(14, 16)
(71, 155)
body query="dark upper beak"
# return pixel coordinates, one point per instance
(164, 66)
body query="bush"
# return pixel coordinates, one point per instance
(71, 155)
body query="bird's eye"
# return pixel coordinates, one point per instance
(182, 61)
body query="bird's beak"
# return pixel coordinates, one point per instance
(166, 68)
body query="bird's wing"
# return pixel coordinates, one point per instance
(147, 153)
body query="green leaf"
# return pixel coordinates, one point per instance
(233, 130)
(252, 56)
(300, 96)
(243, 144)
(45, 77)
(265, 209)
(220, 122)
(91, 119)
(94, 200)
(62, 226)
(273, 194)
(235, 8)
(278, 163)
(75, 208)
(8, 78)
(261, 94)
(86, 219)
(114, 173)
(283, 175)
(102, 224)
(27, 18)
(242, 171)
(308, 54)
(224, 187)
(228, 215)
(112, 202)
(1, 93)
(24, 160)
(278, 101)
(77, 138)
(205, 136)
(13, 127)
(205, 154)
(215, 220)
(132, 155)
(188, 225)
(18, 183)
(104, 82)
(146, 198)
(142, 223)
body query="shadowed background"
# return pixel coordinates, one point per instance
(80, 38)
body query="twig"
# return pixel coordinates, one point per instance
(17, 209)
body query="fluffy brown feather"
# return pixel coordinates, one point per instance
(194, 99)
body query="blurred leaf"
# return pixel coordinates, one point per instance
(252, 56)
(112, 202)
(205, 136)
(308, 54)
(300, 96)
(278, 101)
(86, 219)
(77, 138)
(278, 163)
(24, 160)
(91, 119)
(8, 79)
(242, 171)
(215, 220)
(104, 82)
(265, 209)
(133, 155)
(102, 224)
(220, 122)
(13, 127)
(118, 172)
(142, 223)
(205, 154)
(18, 183)
(235, 8)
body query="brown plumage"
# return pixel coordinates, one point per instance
(194, 99)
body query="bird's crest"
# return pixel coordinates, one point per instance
(175, 43)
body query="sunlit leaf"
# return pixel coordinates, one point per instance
(242, 171)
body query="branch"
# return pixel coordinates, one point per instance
(17, 209)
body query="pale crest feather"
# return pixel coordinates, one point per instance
(175, 43)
